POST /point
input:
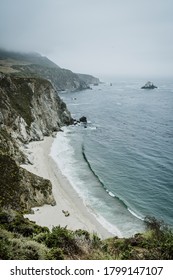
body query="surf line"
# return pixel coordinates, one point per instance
(107, 191)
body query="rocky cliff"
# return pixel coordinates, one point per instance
(88, 79)
(29, 110)
(20, 189)
(62, 79)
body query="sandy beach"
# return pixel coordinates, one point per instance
(65, 196)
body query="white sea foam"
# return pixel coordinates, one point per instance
(64, 155)
(92, 127)
(84, 182)
(110, 193)
(134, 214)
(112, 229)
(75, 104)
(118, 151)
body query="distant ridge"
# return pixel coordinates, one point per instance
(35, 65)
(89, 79)
(31, 58)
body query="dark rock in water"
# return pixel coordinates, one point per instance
(149, 85)
(83, 119)
(75, 122)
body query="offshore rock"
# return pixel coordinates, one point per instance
(83, 119)
(149, 85)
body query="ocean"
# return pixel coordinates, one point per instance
(121, 164)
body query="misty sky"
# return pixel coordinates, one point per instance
(100, 37)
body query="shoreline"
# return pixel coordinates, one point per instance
(67, 199)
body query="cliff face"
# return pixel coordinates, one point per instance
(20, 189)
(62, 79)
(88, 79)
(29, 110)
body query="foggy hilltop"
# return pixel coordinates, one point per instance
(34, 65)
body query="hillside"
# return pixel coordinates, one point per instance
(29, 110)
(35, 65)
(26, 58)
(89, 79)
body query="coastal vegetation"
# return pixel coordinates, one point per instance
(21, 239)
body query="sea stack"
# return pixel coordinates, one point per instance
(149, 85)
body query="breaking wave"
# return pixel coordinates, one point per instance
(108, 191)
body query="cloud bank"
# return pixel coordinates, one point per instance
(105, 37)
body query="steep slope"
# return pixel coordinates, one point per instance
(20, 189)
(62, 79)
(26, 58)
(89, 79)
(29, 110)
(35, 65)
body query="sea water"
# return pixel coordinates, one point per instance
(121, 163)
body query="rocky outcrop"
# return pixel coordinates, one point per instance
(20, 189)
(62, 79)
(83, 119)
(149, 85)
(29, 110)
(89, 79)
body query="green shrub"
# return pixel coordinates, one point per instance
(62, 238)
(5, 245)
(55, 254)
(41, 237)
(83, 233)
(23, 249)
(96, 241)
(59, 237)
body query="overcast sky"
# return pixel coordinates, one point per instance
(101, 37)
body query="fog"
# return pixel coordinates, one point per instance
(100, 37)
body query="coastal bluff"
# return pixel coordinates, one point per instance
(35, 65)
(29, 110)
